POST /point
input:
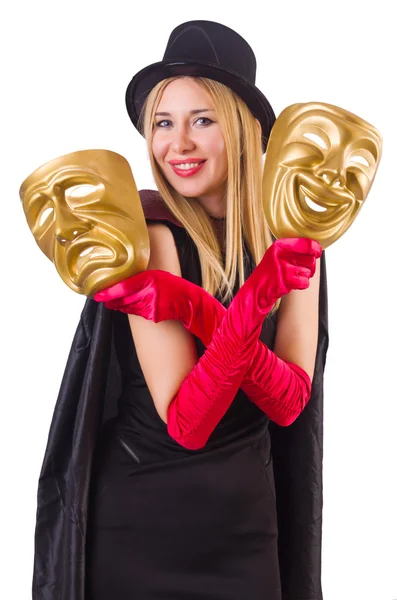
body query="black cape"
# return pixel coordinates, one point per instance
(87, 399)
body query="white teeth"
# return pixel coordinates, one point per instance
(186, 166)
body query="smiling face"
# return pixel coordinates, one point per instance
(188, 144)
(320, 164)
(85, 214)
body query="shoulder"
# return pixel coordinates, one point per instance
(163, 250)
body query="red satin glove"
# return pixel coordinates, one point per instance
(268, 379)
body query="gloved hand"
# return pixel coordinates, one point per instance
(158, 295)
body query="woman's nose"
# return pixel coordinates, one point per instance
(182, 141)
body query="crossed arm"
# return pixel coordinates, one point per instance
(167, 352)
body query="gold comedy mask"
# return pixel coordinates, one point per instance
(85, 214)
(320, 163)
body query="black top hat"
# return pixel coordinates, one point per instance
(205, 49)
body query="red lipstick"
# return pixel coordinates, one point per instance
(183, 161)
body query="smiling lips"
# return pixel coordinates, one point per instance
(313, 204)
(317, 204)
(187, 167)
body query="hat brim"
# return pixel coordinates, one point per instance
(144, 81)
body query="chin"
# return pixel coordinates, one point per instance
(190, 191)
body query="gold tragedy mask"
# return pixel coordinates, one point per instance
(85, 214)
(320, 163)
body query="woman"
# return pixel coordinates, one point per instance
(174, 536)
(182, 497)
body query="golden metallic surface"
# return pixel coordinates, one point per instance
(85, 214)
(321, 161)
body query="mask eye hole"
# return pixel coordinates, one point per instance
(83, 190)
(45, 215)
(360, 159)
(80, 193)
(313, 137)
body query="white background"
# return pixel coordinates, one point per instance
(65, 67)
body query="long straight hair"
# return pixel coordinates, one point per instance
(245, 218)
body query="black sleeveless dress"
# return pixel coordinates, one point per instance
(169, 523)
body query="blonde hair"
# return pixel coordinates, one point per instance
(244, 210)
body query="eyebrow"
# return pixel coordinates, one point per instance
(192, 112)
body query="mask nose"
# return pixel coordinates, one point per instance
(332, 170)
(332, 177)
(68, 226)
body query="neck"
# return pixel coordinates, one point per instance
(214, 202)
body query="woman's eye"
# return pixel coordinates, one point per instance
(208, 121)
(200, 121)
(161, 123)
